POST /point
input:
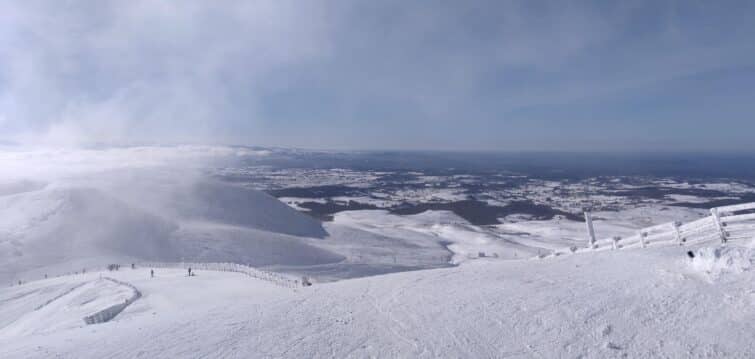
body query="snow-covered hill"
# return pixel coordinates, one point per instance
(131, 216)
(61, 225)
(73, 225)
(224, 203)
(634, 303)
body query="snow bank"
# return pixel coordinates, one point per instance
(717, 261)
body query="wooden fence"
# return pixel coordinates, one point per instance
(728, 223)
(736, 222)
(272, 277)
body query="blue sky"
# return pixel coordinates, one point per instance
(451, 75)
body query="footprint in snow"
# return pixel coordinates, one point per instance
(613, 346)
(606, 330)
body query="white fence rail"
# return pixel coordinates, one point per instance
(725, 223)
(272, 277)
(734, 224)
(737, 208)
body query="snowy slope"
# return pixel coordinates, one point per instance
(60, 225)
(79, 224)
(13, 187)
(17, 301)
(124, 217)
(225, 203)
(461, 238)
(68, 309)
(634, 303)
(215, 242)
(187, 195)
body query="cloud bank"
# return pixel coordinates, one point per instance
(59, 164)
(145, 70)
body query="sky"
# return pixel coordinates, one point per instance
(447, 75)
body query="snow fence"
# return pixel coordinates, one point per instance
(272, 277)
(111, 312)
(725, 224)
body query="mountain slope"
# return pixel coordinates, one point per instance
(66, 228)
(230, 204)
(63, 225)
(635, 303)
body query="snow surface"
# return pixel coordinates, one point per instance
(483, 293)
(633, 303)
(440, 227)
(714, 262)
(73, 225)
(126, 217)
(68, 309)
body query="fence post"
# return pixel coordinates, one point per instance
(678, 233)
(590, 229)
(643, 235)
(717, 219)
(616, 240)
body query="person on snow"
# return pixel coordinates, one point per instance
(189, 271)
(152, 273)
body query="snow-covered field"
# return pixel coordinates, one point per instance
(633, 303)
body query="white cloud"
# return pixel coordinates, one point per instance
(343, 74)
(115, 71)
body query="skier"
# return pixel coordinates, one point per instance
(133, 266)
(189, 271)
(152, 273)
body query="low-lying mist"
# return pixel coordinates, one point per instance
(62, 210)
